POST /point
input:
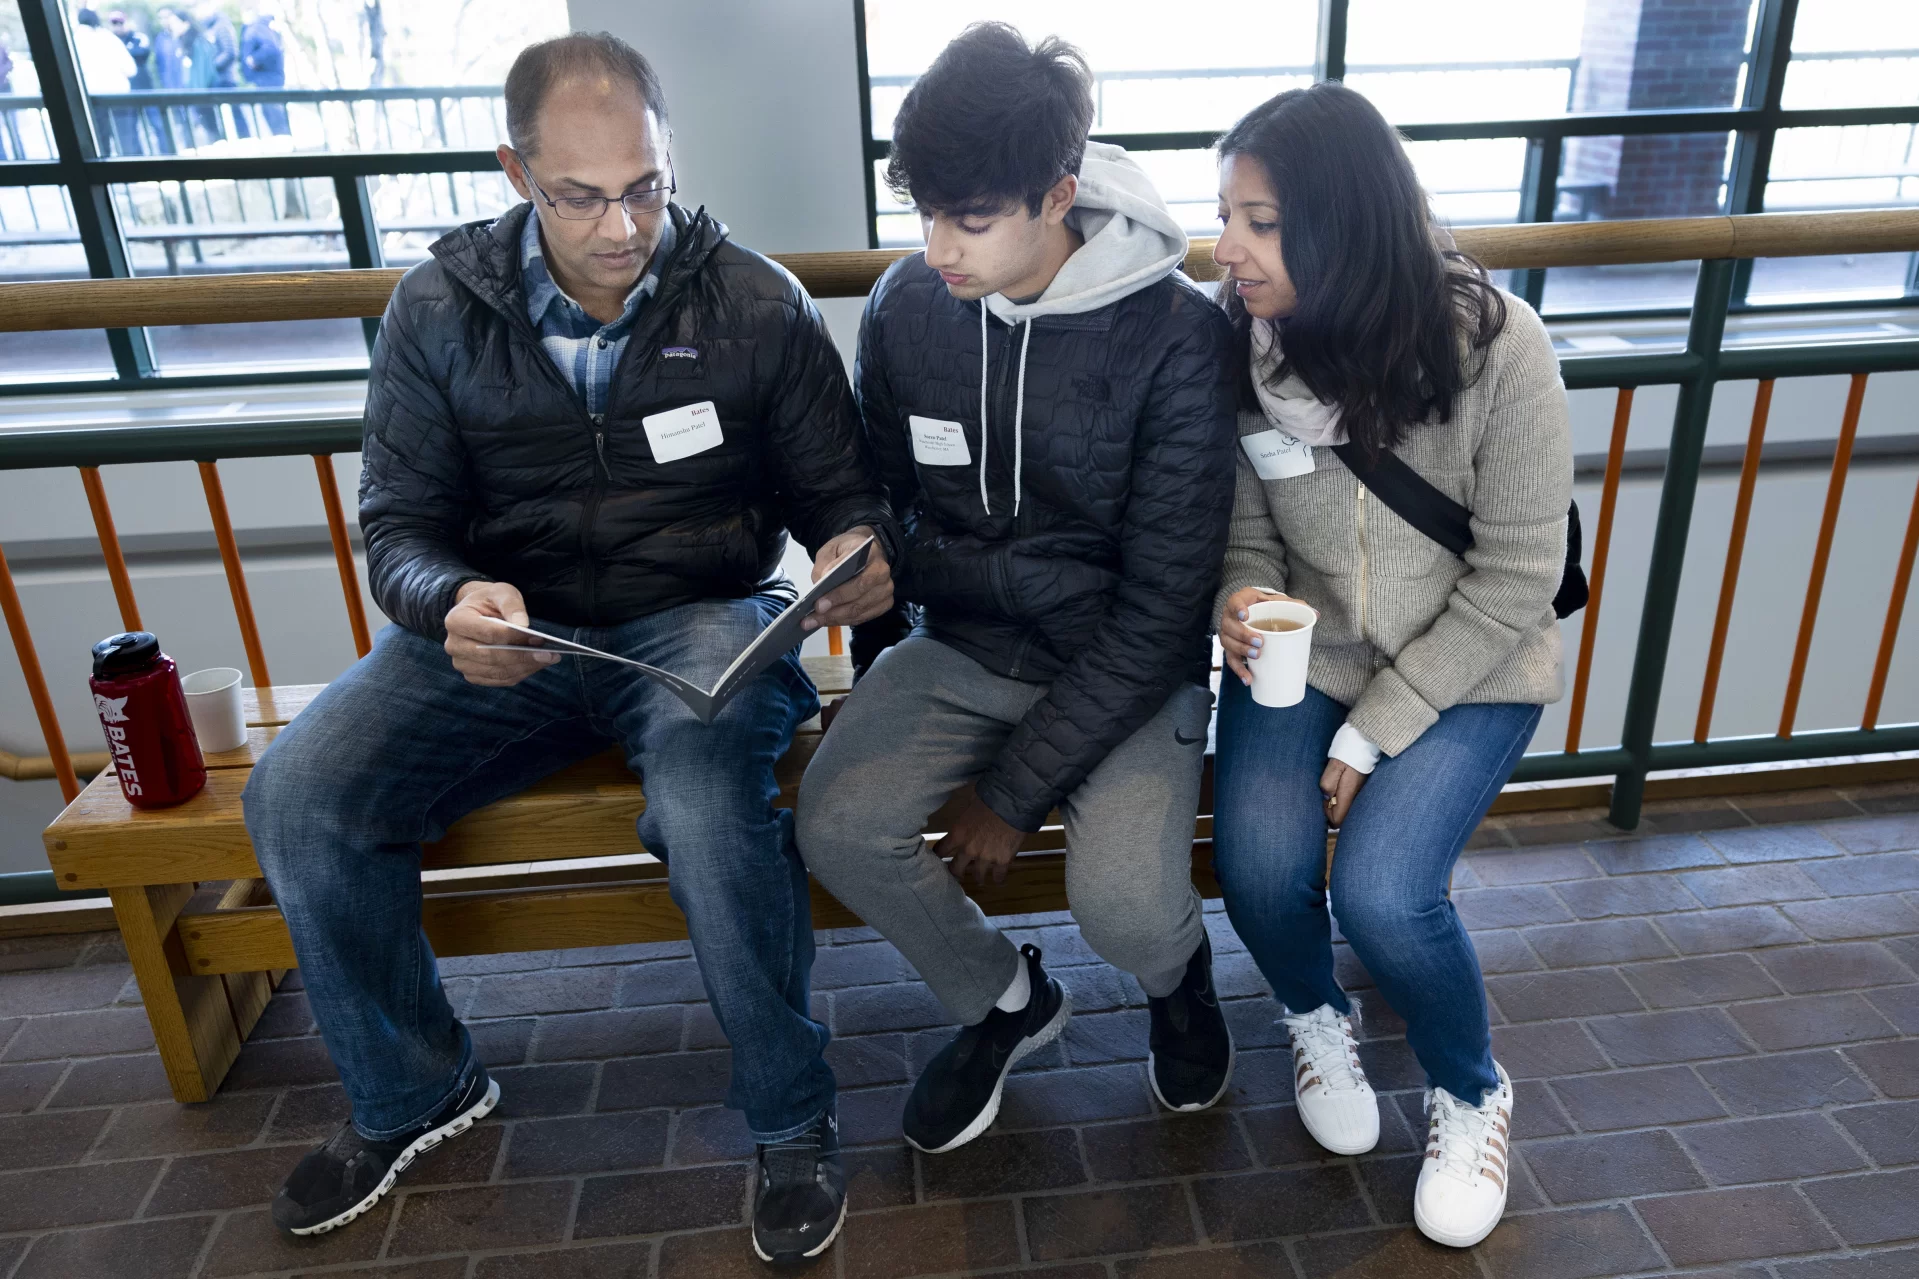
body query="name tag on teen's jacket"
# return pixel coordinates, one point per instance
(1276, 455)
(682, 432)
(937, 442)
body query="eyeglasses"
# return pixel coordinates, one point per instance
(591, 208)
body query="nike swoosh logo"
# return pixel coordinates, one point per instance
(1186, 741)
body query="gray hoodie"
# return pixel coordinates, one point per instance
(1131, 241)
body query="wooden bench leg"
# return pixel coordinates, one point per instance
(198, 1022)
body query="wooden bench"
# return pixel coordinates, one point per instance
(208, 946)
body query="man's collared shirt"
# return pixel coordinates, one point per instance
(585, 350)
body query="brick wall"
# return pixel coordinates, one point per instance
(1649, 55)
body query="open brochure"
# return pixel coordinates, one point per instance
(782, 634)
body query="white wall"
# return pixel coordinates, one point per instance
(764, 96)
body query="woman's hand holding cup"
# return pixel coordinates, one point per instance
(1240, 641)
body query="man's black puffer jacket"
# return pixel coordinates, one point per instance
(1102, 586)
(482, 462)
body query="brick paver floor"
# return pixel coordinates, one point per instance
(1714, 1026)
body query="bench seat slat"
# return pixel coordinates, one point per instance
(255, 938)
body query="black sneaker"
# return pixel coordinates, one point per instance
(348, 1175)
(1191, 1055)
(957, 1096)
(799, 1195)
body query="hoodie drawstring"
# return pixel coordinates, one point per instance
(984, 435)
(1019, 412)
(1019, 416)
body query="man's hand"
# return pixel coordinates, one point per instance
(471, 623)
(1339, 784)
(980, 840)
(1237, 638)
(860, 600)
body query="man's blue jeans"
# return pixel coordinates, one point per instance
(1394, 860)
(401, 746)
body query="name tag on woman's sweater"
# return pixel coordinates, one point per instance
(1276, 455)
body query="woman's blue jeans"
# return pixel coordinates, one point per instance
(1395, 858)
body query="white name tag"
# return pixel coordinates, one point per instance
(938, 443)
(1277, 455)
(679, 433)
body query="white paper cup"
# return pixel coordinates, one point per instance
(1279, 672)
(213, 704)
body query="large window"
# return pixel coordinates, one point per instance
(212, 136)
(1514, 111)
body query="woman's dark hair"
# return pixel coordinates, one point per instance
(1384, 306)
(990, 122)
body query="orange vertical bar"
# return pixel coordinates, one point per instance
(1901, 579)
(236, 579)
(1602, 545)
(1835, 492)
(343, 553)
(110, 547)
(36, 682)
(1735, 549)
(836, 640)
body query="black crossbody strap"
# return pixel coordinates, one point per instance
(1411, 497)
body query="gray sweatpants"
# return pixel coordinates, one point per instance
(926, 720)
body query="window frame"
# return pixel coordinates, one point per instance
(1755, 123)
(87, 176)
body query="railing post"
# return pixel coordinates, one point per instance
(36, 682)
(1674, 523)
(110, 547)
(362, 234)
(236, 577)
(1329, 57)
(1538, 200)
(342, 552)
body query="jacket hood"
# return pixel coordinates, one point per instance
(485, 256)
(1132, 240)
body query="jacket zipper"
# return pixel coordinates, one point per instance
(1360, 506)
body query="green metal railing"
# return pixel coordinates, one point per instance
(1696, 371)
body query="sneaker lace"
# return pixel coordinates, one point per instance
(1330, 1050)
(794, 1161)
(1461, 1134)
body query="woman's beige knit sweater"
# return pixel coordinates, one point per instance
(1406, 628)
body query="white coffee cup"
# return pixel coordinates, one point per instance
(213, 704)
(1279, 670)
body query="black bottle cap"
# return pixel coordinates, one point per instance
(124, 654)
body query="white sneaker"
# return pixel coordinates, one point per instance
(1336, 1103)
(1462, 1181)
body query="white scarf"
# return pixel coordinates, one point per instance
(1290, 406)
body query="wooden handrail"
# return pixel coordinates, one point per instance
(251, 297)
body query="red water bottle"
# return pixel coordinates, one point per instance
(136, 691)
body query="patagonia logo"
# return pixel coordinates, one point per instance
(680, 352)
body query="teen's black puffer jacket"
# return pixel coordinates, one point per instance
(481, 461)
(1083, 551)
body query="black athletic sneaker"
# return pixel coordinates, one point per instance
(799, 1195)
(958, 1093)
(1191, 1055)
(348, 1175)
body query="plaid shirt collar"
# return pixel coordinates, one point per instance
(555, 314)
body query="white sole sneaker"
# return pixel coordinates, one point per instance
(816, 1249)
(419, 1146)
(1346, 1121)
(1032, 1044)
(1478, 1202)
(1152, 1080)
